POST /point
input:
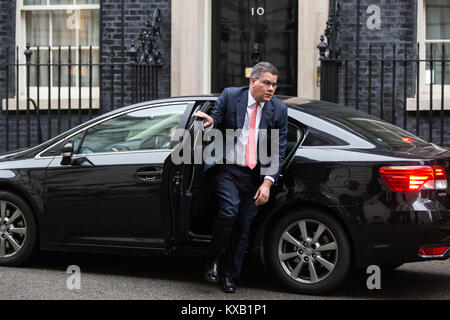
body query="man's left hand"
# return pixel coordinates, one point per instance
(263, 193)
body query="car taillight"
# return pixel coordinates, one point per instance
(412, 178)
(429, 252)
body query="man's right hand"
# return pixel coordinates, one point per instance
(207, 120)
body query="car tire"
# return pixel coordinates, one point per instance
(314, 265)
(18, 230)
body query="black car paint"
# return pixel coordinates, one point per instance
(122, 209)
(385, 227)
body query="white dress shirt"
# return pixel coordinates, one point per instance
(237, 156)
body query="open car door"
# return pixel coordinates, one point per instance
(192, 196)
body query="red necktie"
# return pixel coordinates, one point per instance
(250, 154)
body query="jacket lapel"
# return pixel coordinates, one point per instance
(267, 113)
(241, 109)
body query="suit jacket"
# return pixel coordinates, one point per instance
(229, 113)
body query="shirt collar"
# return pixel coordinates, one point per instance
(252, 101)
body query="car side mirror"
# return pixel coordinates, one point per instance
(67, 153)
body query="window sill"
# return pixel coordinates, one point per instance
(424, 102)
(55, 104)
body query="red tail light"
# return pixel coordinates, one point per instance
(412, 178)
(437, 251)
(406, 139)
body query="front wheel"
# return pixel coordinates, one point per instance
(18, 231)
(309, 251)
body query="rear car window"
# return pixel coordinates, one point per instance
(317, 138)
(381, 133)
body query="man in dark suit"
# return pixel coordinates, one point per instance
(243, 183)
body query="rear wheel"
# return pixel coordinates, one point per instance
(17, 230)
(309, 252)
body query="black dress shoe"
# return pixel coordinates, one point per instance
(212, 270)
(227, 283)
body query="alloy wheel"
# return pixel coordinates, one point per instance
(308, 251)
(13, 229)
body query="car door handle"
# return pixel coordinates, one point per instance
(153, 176)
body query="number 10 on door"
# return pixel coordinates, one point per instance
(259, 11)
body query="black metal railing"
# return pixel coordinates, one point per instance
(56, 94)
(394, 82)
(46, 90)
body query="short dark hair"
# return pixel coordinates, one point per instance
(263, 67)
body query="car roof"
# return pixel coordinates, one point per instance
(318, 108)
(313, 107)
(325, 109)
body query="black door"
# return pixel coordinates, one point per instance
(105, 201)
(249, 31)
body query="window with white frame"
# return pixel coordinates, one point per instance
(52, 27)
(433, 35)
(437, 37)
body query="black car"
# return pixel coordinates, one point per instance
(354, 191)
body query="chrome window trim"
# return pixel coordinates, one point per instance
(111, 153)
(38, 156)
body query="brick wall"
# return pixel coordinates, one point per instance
(395, 36)
(397, 28)
(137, 13)
(7, 39)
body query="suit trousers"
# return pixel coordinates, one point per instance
(235, 187)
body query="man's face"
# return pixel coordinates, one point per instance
(263, 87)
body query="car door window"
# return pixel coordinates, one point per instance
(147, 129)
(294, 135)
